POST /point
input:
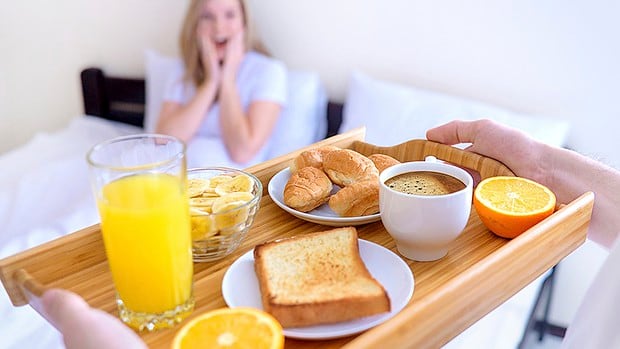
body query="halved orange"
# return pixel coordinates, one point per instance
(231, 328)
(508, 206)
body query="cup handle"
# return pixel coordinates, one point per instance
(433, 159)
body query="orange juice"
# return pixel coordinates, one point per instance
(146, 230)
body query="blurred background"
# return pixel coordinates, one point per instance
(553, 58)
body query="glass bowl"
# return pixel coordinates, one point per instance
(223, 204)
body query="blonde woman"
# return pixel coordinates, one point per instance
(228, 88)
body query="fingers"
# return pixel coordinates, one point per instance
(206, 46)
(208, 56)
(63, 307)
(84, 327)
(235, 49)
(238, 39)
(454, 132)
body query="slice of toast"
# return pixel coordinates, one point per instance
(317, 278)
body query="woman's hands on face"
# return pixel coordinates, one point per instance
(235, 49)
(208, 55)
(227, 70)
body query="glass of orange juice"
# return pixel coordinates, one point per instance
(139, 182)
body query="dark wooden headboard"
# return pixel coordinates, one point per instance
(124, 99)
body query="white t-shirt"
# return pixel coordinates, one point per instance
(260, 78)
(597, 321)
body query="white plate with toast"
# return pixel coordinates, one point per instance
(240, 289)
(320, 215)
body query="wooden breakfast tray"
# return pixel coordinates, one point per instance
(480, 271)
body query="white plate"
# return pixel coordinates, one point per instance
(320, 215)
(240, 289)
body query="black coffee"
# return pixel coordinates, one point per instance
(425, 183)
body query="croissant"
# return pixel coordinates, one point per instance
(358, 199)
(307, 189)
(312, 157)
(383, 161)
(345, 167)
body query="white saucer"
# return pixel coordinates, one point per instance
(240, 289)
(320, 215)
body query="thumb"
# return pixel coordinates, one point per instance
(61, 306)
(84, 327)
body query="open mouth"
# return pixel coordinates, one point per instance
(220, 43)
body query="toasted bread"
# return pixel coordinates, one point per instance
(317, 278)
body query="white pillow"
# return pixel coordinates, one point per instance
(303, 120)
(394, 113)
(158, 69)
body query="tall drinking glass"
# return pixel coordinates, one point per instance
(139, 183)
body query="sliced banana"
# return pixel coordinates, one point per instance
(239, 183)
(230, 216)
(202, 203)
(217, 180)
(210, 192)
(197, 211)
(203, 225)
(216, 204)
(197, 186)
(241, 198)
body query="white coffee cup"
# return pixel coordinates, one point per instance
(423, 226)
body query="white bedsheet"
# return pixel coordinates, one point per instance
(45, 194)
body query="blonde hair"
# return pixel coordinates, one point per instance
(195, 72)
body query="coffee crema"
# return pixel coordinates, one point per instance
(425, 183)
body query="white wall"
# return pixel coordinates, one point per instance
(45, 44)
(558, 58)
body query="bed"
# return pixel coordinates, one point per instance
(45, 194)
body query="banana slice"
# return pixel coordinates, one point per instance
(216, 180)
(196, 186)
(202, 203)
(230, 216)
(203, 225)
(240, 183)
(219, 204)
(210, 193)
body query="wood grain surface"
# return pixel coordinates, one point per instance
(480, 271)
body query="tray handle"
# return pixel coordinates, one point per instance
(419, 149)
